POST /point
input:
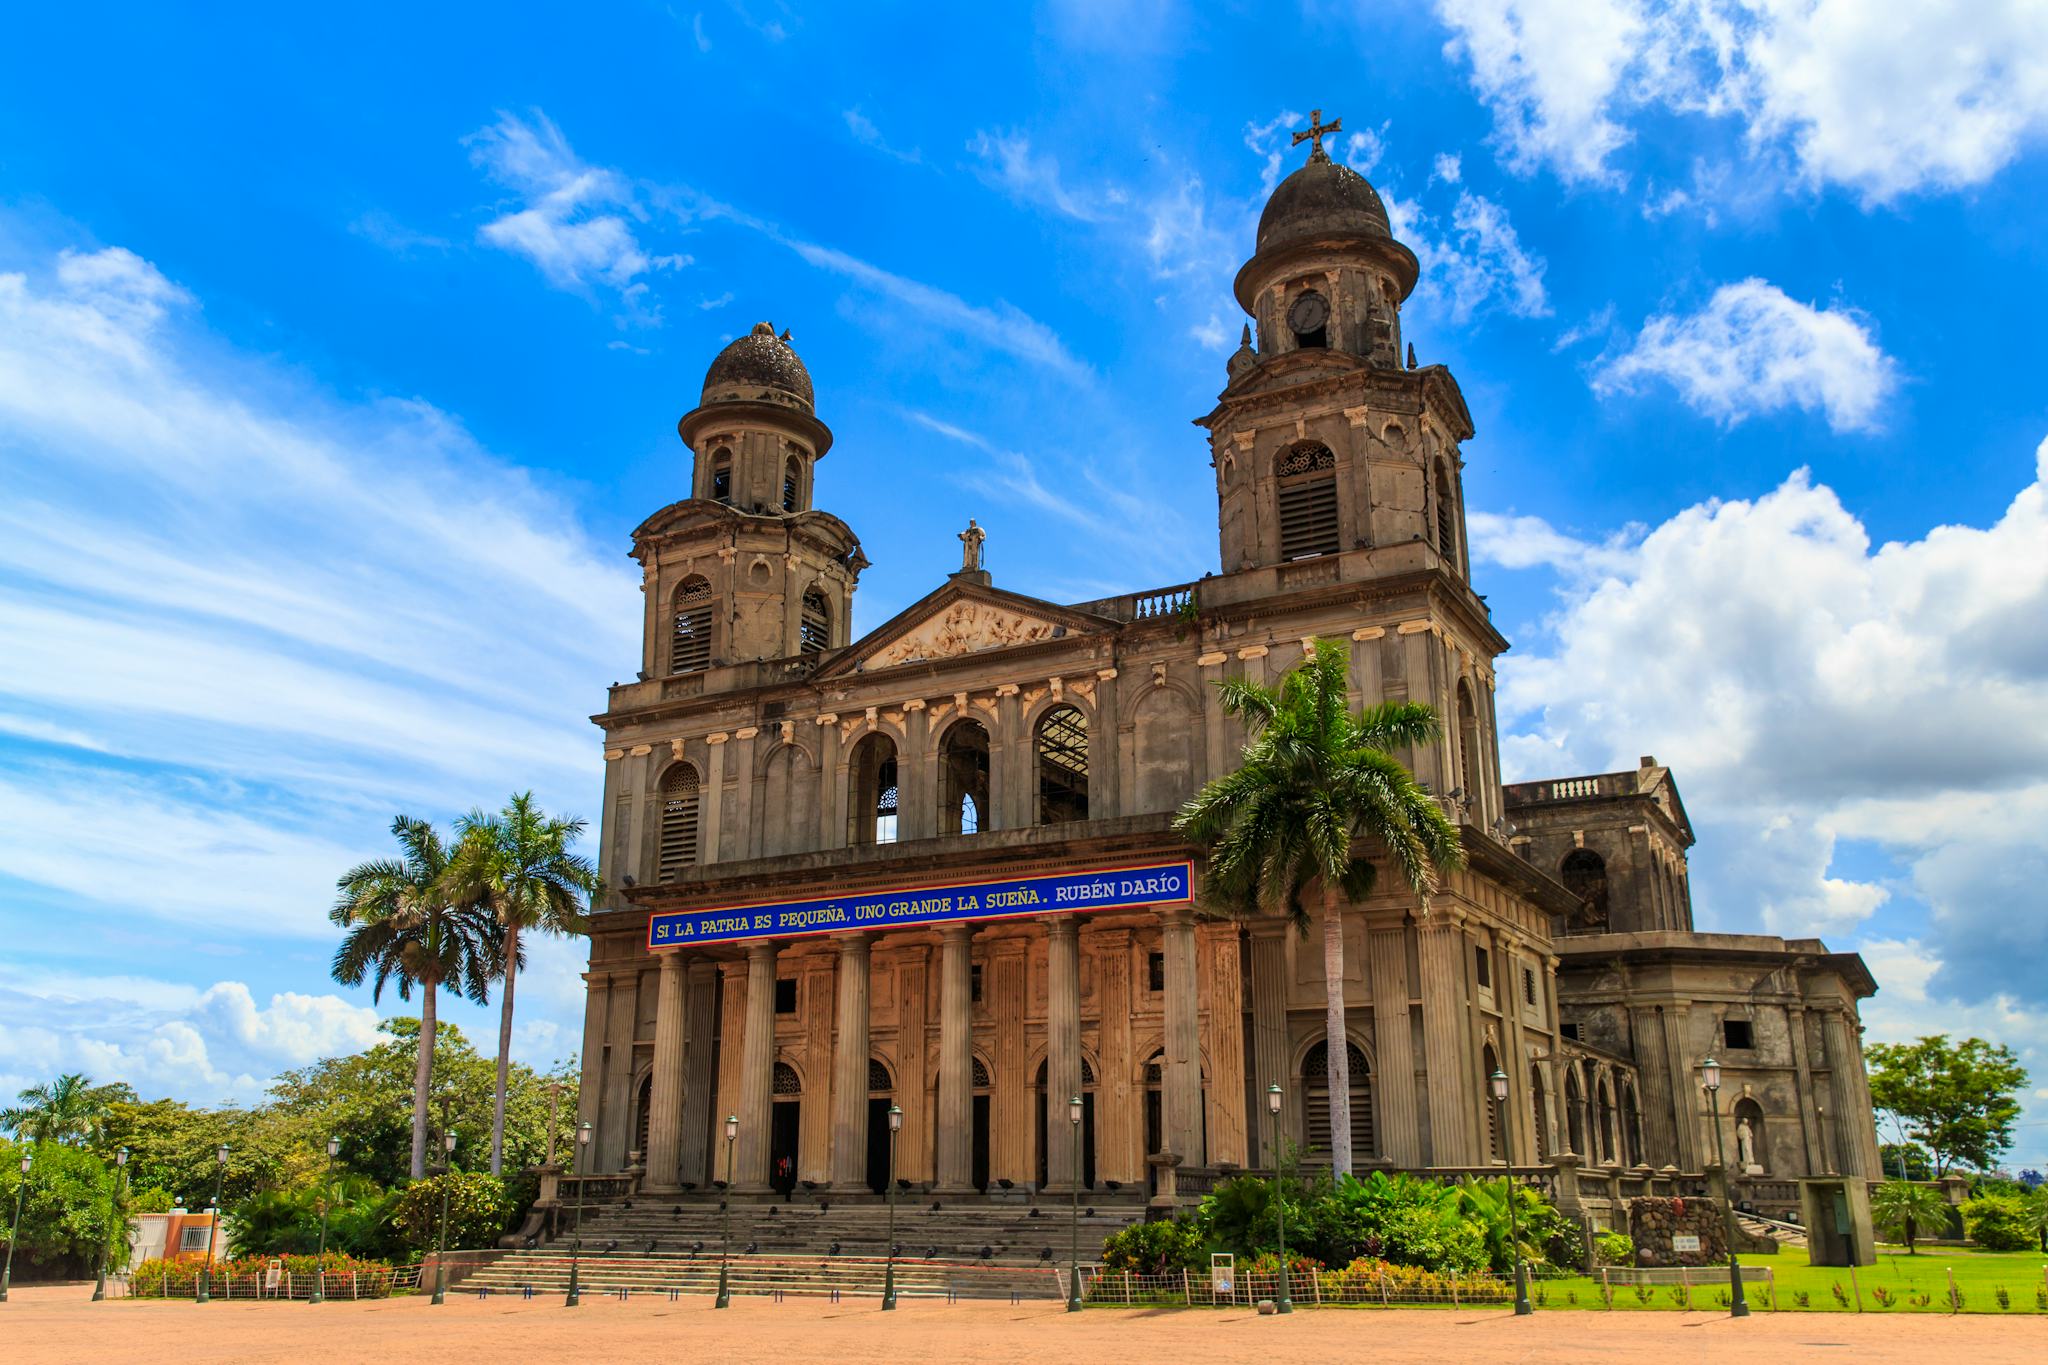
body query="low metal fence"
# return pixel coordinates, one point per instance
(340, 1284)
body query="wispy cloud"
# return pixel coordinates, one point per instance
(386, 231)
(1007, 161)
(868, 135)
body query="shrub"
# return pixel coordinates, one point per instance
(153, 1200)
(1156, 1248)
(478, 1210)
(1998, 1223)
(2004, 1298)
(173, 1279)
(1615, 1248)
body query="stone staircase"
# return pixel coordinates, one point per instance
(1771, 1230)
(973, 1248)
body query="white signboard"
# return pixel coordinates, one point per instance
(1685, 1241)
(1222, 1275)
(271, 1274)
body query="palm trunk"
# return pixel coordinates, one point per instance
(1339, 1078)
(423, 1078)
(504, 1050)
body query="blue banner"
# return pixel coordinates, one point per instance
(1076, 892)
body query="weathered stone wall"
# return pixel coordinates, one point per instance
(1654, 1223)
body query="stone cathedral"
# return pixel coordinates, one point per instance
(931, 869)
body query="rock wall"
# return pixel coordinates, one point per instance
(1654, 1224)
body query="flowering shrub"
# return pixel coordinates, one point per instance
(1366, 1276)
(175, 1279)
(1299, 1266)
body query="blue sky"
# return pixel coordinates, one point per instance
(340, 354)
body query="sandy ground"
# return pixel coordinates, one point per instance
(59, 1323)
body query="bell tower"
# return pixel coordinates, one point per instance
(1336, 462)
(746, 568)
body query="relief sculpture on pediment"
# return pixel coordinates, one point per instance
(961, 628)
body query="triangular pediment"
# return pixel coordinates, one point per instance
(963, 617)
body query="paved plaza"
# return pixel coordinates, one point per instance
(59, 1324)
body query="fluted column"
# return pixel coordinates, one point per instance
(1452, 1084)
(1181, 1085)
(850, 1068)
(1400, 1128)
(1852, 1102)
(700, 998)
(665, 1097)
(955, 1159)
(1062, 1046)
(1270, 1042)
(757, 1069)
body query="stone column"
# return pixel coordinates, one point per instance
(1400, 1127)
(1270, 1043)
(1119, 1100)
(850, 1069)
(1661, 1100)
(1062, 1046)
(1686, 1104)
(1181, 1085)
(1802, 1071)
(665, 1097)
(702, 996)
(1453, 1083)
(1852, 1106)
(757, 1069)
(955, 1163)
(1223, 1040)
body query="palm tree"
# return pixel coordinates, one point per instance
(401, 924)
(1908, 1209)
(516, 866)
(68, 1109)
(1316, 780)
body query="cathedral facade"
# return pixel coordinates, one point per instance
(924, 883)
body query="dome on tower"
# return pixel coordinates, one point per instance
(1323, 199)
(757, 361)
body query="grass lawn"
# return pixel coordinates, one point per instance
(1903, 1280)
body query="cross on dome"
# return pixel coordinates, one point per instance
(1315, 130)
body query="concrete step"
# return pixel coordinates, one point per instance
(548, 1272)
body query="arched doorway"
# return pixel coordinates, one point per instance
(785, 1127)
(643, 1108)
(964, 780)
(881, 1094)
(1049, 1106)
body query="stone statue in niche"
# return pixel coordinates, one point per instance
(1745, 1145)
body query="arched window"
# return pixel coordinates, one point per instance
(1574, 1113)
(880, 1082)
(981, 1077)
(1541, 1120)
(814, 626)
(792, 483)
(1307, 493)
(871, 813)
(1584, 874)
(689, 649)
(1446, 519)
(645, 1106)
(1062, 766)
(1631, 1125)
(1603, 1125)
(1468, 745)
(679, 809)
(721, 475)
(787, 1082)
(963, 779)
(1315, 1091)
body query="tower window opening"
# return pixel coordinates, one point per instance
(1062, 766)
(790, 483)
(873, 809)
(1307, 497)
(721, 476)
(814, 626)
(964, 779)
(679, 812)
(690, 645)
(1446, 519)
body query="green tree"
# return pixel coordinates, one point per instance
(402, 925)
(516, 866)
(1314, 782)
(68, 1109)
(68, 1214)
(1958, 1100)
(173, 1146)
(1909, 1210)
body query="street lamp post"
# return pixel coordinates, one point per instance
(1499, 1082)
(576, 1240)
(1074, 1251)
(889, 1271)
(99, 1288)
(724, 1299)
(213, 1233)
(441, 1251)
(1285, 1303)
(326, 1197)
(6, 1275)
(1710, 1078)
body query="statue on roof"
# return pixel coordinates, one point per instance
(970, 547)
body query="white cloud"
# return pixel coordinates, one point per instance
(1008, 162)
(286, 648)
(1478, 264)
(1886, 99)
(1812, 692)
(573, 220)
(868, 135)
(1754, 350)
(1447, 169)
